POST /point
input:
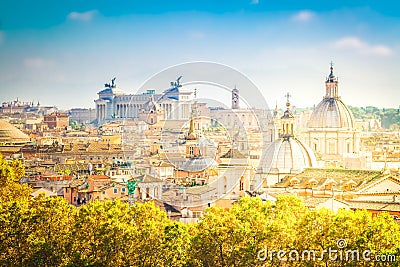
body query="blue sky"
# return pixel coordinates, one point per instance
(62, 52)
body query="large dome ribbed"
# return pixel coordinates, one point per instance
(288, 155)
(331, 113)
(10, 133)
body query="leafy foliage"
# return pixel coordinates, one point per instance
(10, 174)
(50, 232)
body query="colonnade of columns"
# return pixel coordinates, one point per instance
(132, 111)
(128, 110)
(167, 111)
(101, 111)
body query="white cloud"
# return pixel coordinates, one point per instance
(38, 63)
(83, 16)
(255, 2)
(362, 47)
(380, 50)
(349, 42)
(304, 15)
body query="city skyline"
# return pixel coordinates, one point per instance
(62, 54)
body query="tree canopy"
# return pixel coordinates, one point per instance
(49, 232)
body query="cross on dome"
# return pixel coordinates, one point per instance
(288, 96)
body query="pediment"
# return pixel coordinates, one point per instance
(388, 185)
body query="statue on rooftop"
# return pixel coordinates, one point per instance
(177, 84)
(110, 85)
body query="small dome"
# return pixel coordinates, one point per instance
(151, 106)
(197, 164)
(331, 113)
(288, 155)
(10, 133)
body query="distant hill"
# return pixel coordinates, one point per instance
(390, 117)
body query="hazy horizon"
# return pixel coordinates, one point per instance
(62, 53)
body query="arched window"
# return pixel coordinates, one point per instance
(241, 185)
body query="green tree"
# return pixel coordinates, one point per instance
(176, 244)
(35, 232)
(51, 226)
(100, 233)
(15, 229)
(10, 175)
(233, 237)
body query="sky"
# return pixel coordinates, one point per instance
(62, 52)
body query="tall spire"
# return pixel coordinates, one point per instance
(191, 135)
(276, 109)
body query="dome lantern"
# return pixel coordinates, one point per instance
(331, 85)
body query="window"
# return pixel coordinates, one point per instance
(156, 192)
(147, 192)
(74, 199)
(123, 189)
(115, 190)
(241, 184)
(331, 147)
(104, 192)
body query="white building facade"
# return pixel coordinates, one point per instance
(114, 104)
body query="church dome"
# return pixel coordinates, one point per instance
(10, 133)
(331, 112)
(197, 164)
(151, 106)
(288, 155)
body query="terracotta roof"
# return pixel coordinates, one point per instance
(198, 190)
(375, 205)
(76, 183)
(47, 193)
(71, 167)
(374, 182)
(147, 179)
(101, 176)
(318, 178)
(92, 147)
(233, 153)
(315, 201)
(163, 164)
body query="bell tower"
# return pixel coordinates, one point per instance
(235, 98)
